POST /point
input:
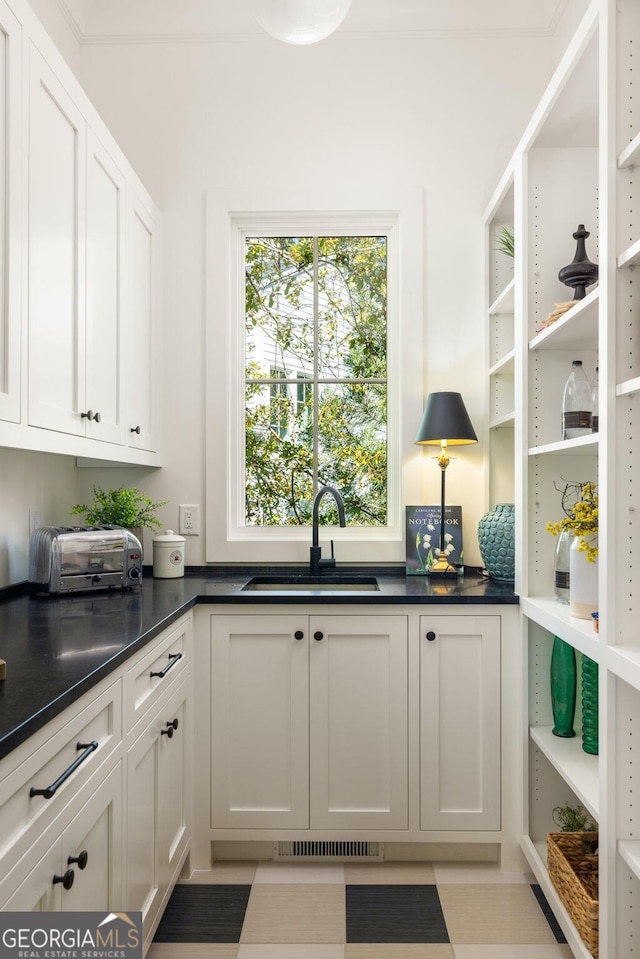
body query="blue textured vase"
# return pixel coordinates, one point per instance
(496, 537)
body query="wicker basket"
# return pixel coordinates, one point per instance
(573, 870)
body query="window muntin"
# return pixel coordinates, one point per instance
(315, 310)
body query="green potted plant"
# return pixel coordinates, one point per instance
(124, 506)
(573, 819)
(505, 242)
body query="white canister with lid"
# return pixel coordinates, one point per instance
(168, 555)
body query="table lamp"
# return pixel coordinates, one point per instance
(445, 423)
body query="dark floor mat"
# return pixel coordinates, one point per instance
(206, 913)
(395, 913)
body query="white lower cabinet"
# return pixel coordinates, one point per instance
(390, 724)
(82, 868)
(157, 804)
(309, 721)
(460, 722)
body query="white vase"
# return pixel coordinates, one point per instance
(583, 582)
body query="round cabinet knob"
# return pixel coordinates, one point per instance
(97, 417)
(431, 636)
(66, 880)
(299, 634)
(135, 429)
(318, 636)
(82, 859)
(167, 732)
(173, 723)
(88, 415)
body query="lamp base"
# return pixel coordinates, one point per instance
(441, 567)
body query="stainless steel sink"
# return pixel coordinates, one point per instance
(312, 584)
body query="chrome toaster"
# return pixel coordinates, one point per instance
(67, 559)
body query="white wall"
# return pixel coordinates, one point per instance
(439, 114)
(28, 480)
(428, 113)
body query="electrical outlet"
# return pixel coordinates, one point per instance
(189, 520)
(34, 519)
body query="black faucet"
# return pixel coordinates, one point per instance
(316, 564)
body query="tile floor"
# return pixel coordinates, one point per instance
(272, 910)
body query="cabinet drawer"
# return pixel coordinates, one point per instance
(148, 679)
(37, 790)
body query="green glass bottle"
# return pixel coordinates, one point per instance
(563, 687)
(589, 676)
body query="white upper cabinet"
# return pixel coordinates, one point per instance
(105, 303)
(10, 213)
(141, 409)
(56, 243)
(79, 266)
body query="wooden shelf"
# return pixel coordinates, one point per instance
(630, 156)
(578, 769)
(630, 256)
(581, 446)
(508, 421)
(554, 617)
(505, 301)
(578, 327)
(628, 387)
(624, 662)
(505, 365)
(629, 850)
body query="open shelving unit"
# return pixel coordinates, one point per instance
(578, 162)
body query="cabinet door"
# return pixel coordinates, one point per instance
(358, 724)
(143, 883)
(158, 804)
(174, 792)
(260, 721)
(96, 833)
(10, 213)
(141, 346)
(459, 722)
(105, 299)
(57, 166)
(36, 891)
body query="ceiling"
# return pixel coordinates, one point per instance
(100, 21)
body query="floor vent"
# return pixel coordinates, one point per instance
(327, 851)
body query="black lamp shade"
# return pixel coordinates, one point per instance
(445, 418)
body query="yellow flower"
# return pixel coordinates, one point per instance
(581, 519)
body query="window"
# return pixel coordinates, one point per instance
(313, 370)
(315, 377)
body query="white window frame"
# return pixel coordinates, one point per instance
(231, 216)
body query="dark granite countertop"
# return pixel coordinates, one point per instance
(57, 649)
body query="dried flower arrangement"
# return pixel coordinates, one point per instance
(580, 504)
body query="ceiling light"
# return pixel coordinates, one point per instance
(300, 21)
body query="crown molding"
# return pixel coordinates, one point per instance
(485, 33)
(557, 16)
(450, 33)
(71, 21)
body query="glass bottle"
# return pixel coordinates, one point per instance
(576, 403)
(561, 566)
(595, 402)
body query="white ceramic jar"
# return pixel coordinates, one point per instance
(168, 555)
